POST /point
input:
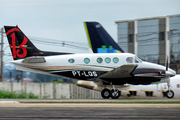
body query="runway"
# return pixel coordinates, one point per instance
(59, 109)
(95, 113)
(148, 100)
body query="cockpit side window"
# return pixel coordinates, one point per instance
(137, 60)
(129, 60)
(178, 85)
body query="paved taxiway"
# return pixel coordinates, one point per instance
(91, 100)
(95, 113)
(90, 110)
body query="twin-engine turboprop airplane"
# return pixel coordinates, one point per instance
(109, 69)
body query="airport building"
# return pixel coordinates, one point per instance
(152, 39)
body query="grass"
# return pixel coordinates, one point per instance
(16, 94)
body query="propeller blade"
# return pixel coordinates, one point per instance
(167, 64)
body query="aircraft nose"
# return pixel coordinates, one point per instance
(170, 72)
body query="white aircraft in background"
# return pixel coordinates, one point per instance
(154, 90)
(101, 42)
(109, 70)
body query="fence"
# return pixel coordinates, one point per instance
(52, 90)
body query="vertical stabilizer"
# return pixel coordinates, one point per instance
(21, 47)
(99, 40)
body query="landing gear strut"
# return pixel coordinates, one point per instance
(115, 93)
(169, 92)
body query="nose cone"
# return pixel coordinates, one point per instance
(171, 72)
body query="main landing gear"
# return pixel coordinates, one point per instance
(114, 93)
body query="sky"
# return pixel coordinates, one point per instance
(63, 19)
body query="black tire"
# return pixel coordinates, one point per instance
(169, 94)
(105, 93)
(115, 95)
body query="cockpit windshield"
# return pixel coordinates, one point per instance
(137, 60)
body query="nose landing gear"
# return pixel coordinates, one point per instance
(169, 92)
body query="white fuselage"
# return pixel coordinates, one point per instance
(84, 66)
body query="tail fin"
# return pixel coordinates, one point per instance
(99, 40)
(21, 46)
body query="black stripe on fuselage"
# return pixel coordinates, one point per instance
(81, 75)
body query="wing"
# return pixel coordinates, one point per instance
(34, 60)
(123, 71)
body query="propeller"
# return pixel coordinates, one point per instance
(169, 92)
(167, 73)
(167, 64)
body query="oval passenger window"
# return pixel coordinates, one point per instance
(99, 60)
(71, 60)
(107, 60)
(115, 60)
(86, 60)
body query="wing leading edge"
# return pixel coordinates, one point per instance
(123, 71)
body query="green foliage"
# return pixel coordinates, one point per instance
(57, 81)
(46, 96)
(16, 94)
(75, 82)
(63, 97)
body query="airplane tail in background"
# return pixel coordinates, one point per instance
(99, 40)
(21, 46)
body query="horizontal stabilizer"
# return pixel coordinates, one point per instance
(34, 60)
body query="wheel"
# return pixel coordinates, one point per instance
(115, 94)
(105, 93)
(169, 94)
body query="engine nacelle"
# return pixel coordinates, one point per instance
(89, 85)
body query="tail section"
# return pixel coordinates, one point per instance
(21, 47)
(99, 40)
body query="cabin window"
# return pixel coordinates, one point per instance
(115, 60)
(107, 60)
(71, 60)
(178, 85)
(86, 60)
(99, 60)
(129, 60)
